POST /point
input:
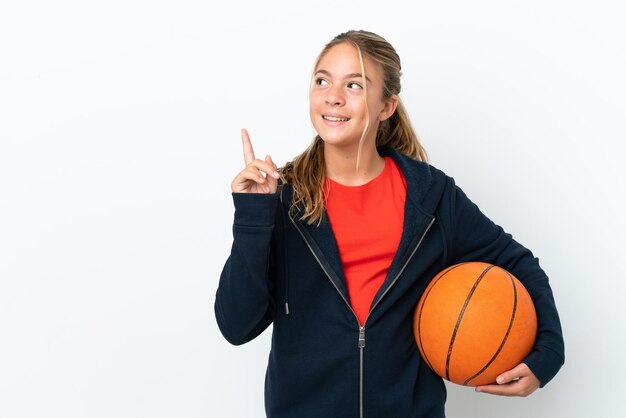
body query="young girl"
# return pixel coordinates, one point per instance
(336, 247)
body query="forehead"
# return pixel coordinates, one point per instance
(343, 59)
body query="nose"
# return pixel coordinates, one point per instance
(334, 96)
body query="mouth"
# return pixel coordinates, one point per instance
(335, 118)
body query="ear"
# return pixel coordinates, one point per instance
(390, 106)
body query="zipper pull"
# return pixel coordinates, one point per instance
(361, 337)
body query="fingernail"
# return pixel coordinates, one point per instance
(500, 380)
(276, 174)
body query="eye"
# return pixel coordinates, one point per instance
(321, 82)
(354, 85)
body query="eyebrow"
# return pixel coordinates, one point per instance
(353, 75)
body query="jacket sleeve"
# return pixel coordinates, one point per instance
(477, 238)
(244, 303)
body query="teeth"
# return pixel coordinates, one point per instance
(334, 119)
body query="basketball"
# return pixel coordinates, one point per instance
(473, 322)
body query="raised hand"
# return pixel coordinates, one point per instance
(259, 176)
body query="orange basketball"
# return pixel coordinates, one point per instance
(473, 322)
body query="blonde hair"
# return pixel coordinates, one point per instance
(306, 173)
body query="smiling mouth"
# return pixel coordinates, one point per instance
(335, 119)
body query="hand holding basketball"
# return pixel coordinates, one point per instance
(258, 176)
(519, 381)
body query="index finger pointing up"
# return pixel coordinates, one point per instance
(248, 152)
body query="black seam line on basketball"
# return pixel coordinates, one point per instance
(460, 318)
(419, 318)
(506, 336)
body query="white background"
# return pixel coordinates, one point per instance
(119, 136)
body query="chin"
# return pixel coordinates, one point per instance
(340, 141)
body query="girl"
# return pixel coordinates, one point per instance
(336, 247)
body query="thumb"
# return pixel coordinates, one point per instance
(513, 374)
(271, 180)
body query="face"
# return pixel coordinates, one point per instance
(337, 100)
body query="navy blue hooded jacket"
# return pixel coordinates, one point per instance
(322, 362)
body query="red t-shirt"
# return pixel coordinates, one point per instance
(367, 222)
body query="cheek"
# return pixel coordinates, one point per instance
(362, 109)
(313, 107)
(375, 107)
(316, 97)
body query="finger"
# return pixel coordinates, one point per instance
(276, 174)
(522, 387)
(264, 166)
(272, 180)
(270, 161)
(519, 381)
(515, 373)
(506, 389)
(253, 173)
(248, 151)
(246, 180)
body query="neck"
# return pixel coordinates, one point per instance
(341, 164)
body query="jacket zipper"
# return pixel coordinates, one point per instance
(361, 347)
(361, 341)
